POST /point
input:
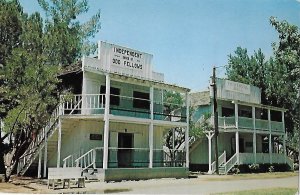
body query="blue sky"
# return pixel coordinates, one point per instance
(188, 37)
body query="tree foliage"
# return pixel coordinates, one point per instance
(278, 76)
(33, 51)
(67, 38)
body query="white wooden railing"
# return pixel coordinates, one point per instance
(38, 143)
(231, 162)
(68, 161)
(226, 122)
(221, 160)
(88, 159)
(83, 104)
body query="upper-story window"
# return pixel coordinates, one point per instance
(114, 95)
(227, 112)
(141, 100)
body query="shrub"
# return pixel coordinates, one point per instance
(235, 170)
(271, 169)
(296, 166)
(254, 168)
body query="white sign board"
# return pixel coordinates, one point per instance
(124, 60)
(237, 87)
(230, 90)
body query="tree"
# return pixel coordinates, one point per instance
(174, 102)
(248, 69)
(29, 75)
(10, 30)
(30, 112)
(66, 38)
(287, 54)
(278, 77)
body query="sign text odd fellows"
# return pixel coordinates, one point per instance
(129, 58)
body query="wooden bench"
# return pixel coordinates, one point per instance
(65, 174)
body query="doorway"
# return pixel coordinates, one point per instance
(125, 140)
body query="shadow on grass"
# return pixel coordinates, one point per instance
(110, 191)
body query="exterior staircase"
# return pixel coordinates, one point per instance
(225, 166)
(88, 163)
(32, 151)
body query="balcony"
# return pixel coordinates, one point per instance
(93, 104)
(247, 123)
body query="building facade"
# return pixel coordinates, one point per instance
(114, 122)
(249, 132)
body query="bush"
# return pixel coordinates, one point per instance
(296, 166)
(235, 170)
(254, 168)
(271, 169)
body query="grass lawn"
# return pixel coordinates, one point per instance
(272, 191)
(254, 176)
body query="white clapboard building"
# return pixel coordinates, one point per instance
(249, 132)
(113, 125)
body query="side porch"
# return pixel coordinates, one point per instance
(250, 149)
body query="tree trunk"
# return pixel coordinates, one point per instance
(10, 164)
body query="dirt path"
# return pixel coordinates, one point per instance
(202, 185)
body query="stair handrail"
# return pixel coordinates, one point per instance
(30, 153)
(221, 160)
(289, 161)
(68, 160)
(230, 163)
(87, 159)
(75, 107)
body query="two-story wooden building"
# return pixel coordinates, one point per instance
(114, 122)
(249, 132)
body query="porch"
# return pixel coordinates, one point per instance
(250, 158)
(94, 104)
(130, 163)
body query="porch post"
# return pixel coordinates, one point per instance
(270, 135)
(209, 136)
(284, 136)
(237, 147)
(187, 99)
(151, 129)
(254, 133)
(106, 121)
(58, 143)
(40, 163)
(45, 153)
(236, 115)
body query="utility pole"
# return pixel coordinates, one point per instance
(214, 85)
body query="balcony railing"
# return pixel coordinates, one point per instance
(91, 104)
(127, 158)
(247, 123)
(261, 158)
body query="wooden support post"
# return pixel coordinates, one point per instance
(209, 136)
(284, 136)
(237, 146)
(237, 139)
(106, 122)
(254, 133)
(151, 128)
(270, 135)
(187, 103)
(45, 154)
(58, 143)
(40, 163)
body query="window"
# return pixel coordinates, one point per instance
(227, 112)
(141, 100)
(114, 95)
